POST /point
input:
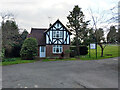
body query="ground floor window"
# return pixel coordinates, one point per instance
(57, 49)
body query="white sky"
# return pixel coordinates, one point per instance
(35, 13)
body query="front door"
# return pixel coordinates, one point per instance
(42, 51)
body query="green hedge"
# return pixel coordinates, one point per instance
(82, 49)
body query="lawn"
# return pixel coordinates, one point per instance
(16, 61)
(112, 50)
(57, 59)
(109, 49)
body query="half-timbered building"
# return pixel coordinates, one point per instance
(52, 41)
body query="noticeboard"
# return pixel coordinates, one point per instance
(92, 46)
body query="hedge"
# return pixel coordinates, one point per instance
(82, 49)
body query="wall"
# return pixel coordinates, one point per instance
(49, 53)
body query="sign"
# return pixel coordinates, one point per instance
(93, 46)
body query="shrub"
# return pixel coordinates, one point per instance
(16, 50)
(83, 50)
(9, 60)
(62, 54)
(73, 51)
(29, 49)
(13, 51)
(8, 51)
(67, 51)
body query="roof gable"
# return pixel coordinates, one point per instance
(58, 21)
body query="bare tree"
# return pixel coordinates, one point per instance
(104, 20)
(115, 12)
(115, 19)
(7, 16)
(98, 31)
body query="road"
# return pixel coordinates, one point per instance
(62, 74)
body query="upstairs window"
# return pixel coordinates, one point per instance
(57, 34)
(57, 48)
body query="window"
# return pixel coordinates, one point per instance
(61, 33)
(57, 34)
(57, 49)
(54, 34)
(42, 49)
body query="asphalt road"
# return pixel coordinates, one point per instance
(62, 74)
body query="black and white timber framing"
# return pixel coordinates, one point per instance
(61, 34)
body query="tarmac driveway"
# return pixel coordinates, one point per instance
(62, 74)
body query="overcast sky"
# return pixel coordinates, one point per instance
(36, 13)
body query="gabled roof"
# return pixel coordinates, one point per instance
(38, 33)
(58, 21)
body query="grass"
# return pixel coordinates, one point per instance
(66, 59)
(109, 49)
(17, 61)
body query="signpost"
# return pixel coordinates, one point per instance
(96, 49)
(93, 46)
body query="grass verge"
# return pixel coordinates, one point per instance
(16, 61)
(66, 59)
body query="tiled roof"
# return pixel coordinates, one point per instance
(38, 33)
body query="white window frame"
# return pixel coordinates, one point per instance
(57, 32)
(55, 47)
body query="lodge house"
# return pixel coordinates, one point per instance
(52, 41)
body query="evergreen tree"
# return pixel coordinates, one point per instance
(77, 24)
(112, 35)
(9, 33)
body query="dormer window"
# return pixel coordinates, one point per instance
(57, 34)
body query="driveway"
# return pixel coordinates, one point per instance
(62, 74)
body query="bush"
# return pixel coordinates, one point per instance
(62, 54)
(9, 60)
(67, 51)
(8, 51)
(29, 49)
(73, 51)
(13, 51)
(16, 50)
(83, 50)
